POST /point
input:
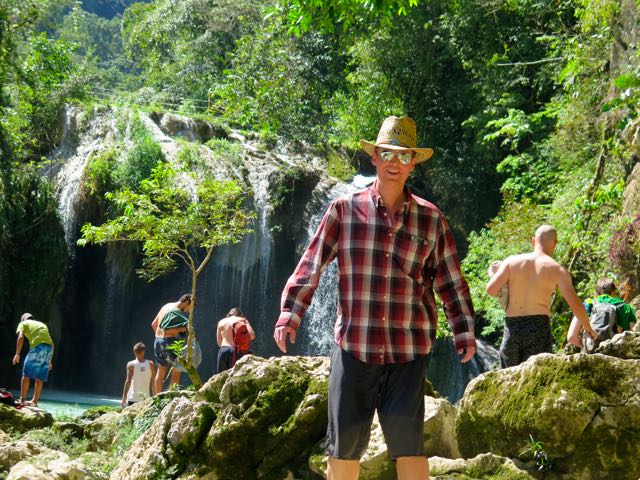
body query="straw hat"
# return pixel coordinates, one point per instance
(398, 133)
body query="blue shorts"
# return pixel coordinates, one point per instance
(37, 361)
(164, 356)
(358, 389)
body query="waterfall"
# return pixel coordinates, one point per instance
(66, 168)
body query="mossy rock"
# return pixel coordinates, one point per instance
(583, 409)
(20, 420)
(94, 413)
(273, 425)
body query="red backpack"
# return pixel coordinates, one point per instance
(241, 336)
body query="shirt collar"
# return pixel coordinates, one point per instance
(377, 199)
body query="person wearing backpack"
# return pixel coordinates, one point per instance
(608, 315)
(38, 361)
(234, 336)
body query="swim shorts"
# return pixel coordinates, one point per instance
(225, 359)
(37, 361)
(358, 389)
(164, 356)
(524, 337)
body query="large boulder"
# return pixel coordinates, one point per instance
(23, 419)
(259, 419)
(584, 409)
(169, 442)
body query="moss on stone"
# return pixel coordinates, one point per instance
(268, 436)
(501, 410)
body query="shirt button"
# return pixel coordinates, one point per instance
(384, 318)
(387, 255)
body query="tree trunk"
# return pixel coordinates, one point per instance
(187, 363)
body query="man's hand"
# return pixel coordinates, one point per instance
(16, 359)
(592, 333)
(280, 336)
(467, 353)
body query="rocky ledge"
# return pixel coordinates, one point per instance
(561, 417)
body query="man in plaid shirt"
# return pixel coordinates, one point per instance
(394, 251)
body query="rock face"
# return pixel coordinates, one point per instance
(624, 345)
(258, 420)
(585, 409)
(26, 418)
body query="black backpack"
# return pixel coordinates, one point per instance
(604, 320)
(7, 398)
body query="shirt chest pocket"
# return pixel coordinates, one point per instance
(411, 253)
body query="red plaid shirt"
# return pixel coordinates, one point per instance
(387, 273)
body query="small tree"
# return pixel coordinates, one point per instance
(175, 223)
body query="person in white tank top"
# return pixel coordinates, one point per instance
(140, 373)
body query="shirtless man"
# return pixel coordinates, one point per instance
(227, 355)
(169, 326)
(532, 278)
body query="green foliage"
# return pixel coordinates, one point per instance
(327, 15)
(170, 223)
(535, 450)
(38, 93)
(225, 149)
(280, 84)
(99, 172)
(180, 46)
(61, 440)
(138, 163)
(340, 167)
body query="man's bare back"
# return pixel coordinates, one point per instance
(225, 332)
(532, 278)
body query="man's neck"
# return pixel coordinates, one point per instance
(392, 194)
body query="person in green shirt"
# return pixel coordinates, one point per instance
(606, 293)
(38, 361)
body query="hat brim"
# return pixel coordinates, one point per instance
(422, 154)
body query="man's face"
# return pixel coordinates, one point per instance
(393, 166)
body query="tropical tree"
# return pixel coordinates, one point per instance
(176, 223)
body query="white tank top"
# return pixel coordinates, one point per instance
(141, 381)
